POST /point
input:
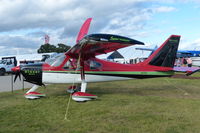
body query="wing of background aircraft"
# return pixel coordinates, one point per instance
(146, 49)
(180, 53)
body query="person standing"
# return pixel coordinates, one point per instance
(189, 62)
(178, 62)
(184, 62)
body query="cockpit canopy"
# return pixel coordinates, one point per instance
(71, 64)
(57, 60)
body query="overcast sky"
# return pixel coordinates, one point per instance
(23, 23)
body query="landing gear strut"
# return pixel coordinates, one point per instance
(81, 96)
(32, 94)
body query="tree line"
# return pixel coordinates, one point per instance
(48, 48)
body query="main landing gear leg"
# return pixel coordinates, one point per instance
(81, 96)
(83, 86)
(32, 94)
(80, 87)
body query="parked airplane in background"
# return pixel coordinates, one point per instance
(180, 53)
(195, 56)
(79, 65)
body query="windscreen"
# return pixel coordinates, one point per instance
(56, 61)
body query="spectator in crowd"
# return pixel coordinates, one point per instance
(178, 62)
(184, 62)
(189, 62)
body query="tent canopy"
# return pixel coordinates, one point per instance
(115, 55)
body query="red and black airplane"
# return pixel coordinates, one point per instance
(80, 65)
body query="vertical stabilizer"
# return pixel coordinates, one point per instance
(165, 55)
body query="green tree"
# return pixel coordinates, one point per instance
(48, 48)
(62, 48)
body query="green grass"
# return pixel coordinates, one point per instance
(162, 105)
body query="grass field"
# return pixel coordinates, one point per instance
(162, 105)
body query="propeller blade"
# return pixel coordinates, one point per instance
(19, 76)
(16, 75)
(15, 78)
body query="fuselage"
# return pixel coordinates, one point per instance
(66, 70)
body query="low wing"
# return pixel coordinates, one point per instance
(97, 44)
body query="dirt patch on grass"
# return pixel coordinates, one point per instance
(182, 76)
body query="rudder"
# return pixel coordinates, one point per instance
(165, 55)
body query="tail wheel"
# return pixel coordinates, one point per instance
(2, 71)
